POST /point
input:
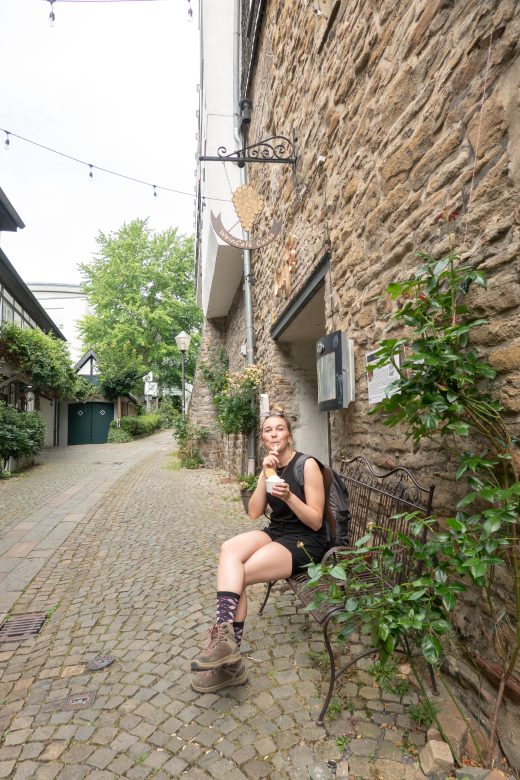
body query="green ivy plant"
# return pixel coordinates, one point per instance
(188, 437)
(41, 357)
(443, 394)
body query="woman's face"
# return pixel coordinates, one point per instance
(275, 431)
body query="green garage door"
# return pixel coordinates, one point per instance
(89, 423)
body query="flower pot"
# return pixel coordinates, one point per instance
(245, 495)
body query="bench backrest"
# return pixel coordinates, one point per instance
(375, 498)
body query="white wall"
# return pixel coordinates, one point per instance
(65, 304)
(310, 432)
(221, 264)
(47, 412)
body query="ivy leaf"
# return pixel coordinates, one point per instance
(338, 572)
(431, 649)
(383, 631)
(449, 601)
(351, 604)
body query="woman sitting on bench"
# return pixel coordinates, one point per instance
(296, 531)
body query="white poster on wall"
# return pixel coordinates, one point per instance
(380, 379)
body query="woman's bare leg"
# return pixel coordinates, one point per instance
(272, 562)
(233, 555)
(241, 613)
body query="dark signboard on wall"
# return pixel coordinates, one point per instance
(335, 367)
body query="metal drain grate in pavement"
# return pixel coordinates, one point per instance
(99, 663)
(79, 701)
(20, 627)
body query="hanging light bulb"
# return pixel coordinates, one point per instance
(7, 141)
(91, 172)
(52, 16)
(190, 11)
(154, 191)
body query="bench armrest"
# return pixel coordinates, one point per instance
(332, 552)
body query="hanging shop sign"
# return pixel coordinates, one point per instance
(247, 202)
(241, 243)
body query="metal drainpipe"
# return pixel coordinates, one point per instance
(248, 295)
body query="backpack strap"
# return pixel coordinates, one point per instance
(328, 517)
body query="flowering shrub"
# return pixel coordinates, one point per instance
(236, 407)
(247, 481)
(234, 395)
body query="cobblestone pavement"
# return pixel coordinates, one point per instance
(40, 508)
(135, 578)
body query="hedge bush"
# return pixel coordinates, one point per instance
(21, 433)
(118, 436)
(140, 426)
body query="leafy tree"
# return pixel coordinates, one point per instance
(116, 383)
(141, 288)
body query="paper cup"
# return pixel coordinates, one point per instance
(270, 481)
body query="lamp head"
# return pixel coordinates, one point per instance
(183, 341)
(245, 106)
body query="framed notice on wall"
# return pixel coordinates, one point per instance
(380, 379)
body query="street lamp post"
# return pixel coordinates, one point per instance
(183, 344)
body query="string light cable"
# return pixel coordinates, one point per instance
(91, 167)
(52, 15)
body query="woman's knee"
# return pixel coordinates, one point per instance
(230, 546)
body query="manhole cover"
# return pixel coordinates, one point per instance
(79, 701)
(20, 627)
(99, 663)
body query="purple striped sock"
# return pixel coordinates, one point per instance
(227, 603)
(238, 628)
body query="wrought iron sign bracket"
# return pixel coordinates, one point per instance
(276, 149)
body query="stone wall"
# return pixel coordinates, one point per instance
(392, 101)
(401, 110)
(228, 334)
(201, 410)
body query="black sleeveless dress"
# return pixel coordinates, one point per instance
(287, 529)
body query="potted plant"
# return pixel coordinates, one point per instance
(247, 484)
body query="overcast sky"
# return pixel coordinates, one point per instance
(111, 83)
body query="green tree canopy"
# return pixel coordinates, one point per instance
(140, 286)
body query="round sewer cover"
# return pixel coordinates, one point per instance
(99, 663)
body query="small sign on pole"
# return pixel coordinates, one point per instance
(150, 388)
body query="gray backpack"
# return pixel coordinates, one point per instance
(337, 515)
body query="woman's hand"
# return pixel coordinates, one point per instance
(271, 460)
(281, 490)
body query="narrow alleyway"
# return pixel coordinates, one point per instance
(133, 577)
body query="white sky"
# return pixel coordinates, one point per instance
(111, 83)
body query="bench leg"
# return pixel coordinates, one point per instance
(333, 674)
(332, 678)
(269, 585)
(433, 680)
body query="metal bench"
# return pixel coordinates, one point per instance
(374, 501)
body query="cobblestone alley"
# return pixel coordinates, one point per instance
(119, 548)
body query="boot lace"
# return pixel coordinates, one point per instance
(216, 634)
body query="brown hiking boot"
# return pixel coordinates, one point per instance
(215, 679)
(221, 649)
